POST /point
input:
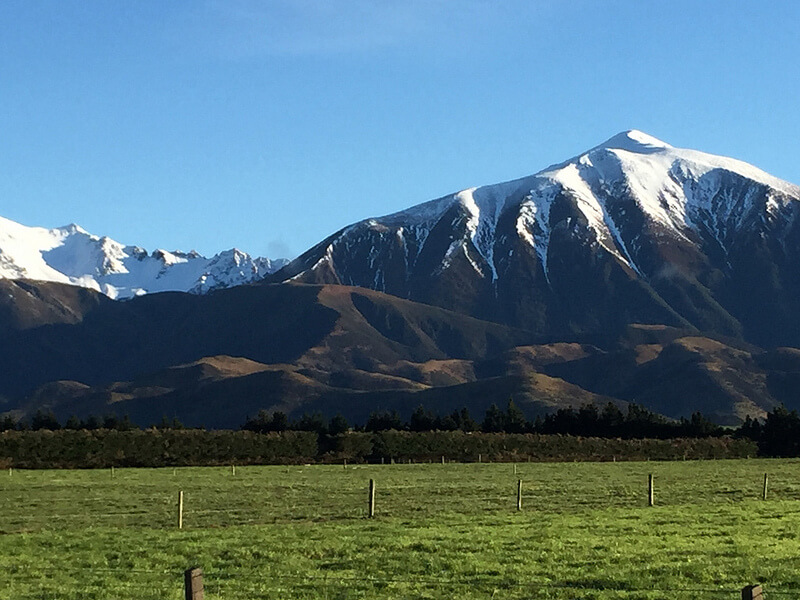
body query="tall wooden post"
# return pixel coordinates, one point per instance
(371, 507)
(650, 491)
(193, 584)
(233, 470)
(752, 592)
(180, 509)
(442, 459)
(766, 483)
(519, 494)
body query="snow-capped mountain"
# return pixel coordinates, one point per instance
(631, 230)
(73, 256)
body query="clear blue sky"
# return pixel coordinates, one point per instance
(268, 125)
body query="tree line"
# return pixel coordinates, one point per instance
(589, 420)
(776, 435)
(81, 449)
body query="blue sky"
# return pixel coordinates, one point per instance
(268, 125)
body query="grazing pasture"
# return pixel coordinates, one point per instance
(585, 530)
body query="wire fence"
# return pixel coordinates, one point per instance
(139, 584)
(147, 506)
(215, 498)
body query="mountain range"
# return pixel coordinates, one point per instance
(73, 256)
(633, 272)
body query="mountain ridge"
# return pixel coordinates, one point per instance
(650, 233)
(72, 255)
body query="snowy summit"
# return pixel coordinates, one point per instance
(684, 193)
(632, 230)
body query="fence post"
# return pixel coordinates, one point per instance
(371, 508)
(519, 494)
(180, 509)
(752, 592)
(233, 470)
(650, 491)
(193, 584)
(442, 459)
(766, 483)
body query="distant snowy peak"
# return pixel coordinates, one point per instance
(73, 256)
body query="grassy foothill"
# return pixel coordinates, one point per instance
(440, 531)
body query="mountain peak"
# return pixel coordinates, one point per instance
(72, 229)
(634, 140)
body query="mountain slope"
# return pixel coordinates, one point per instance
(633, 230)
(213, 360)
(72, 255)
(321, 328)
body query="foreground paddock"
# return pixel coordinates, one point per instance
(440, 531)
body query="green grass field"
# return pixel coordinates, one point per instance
(440, 531)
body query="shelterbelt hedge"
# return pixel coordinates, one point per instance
(193, 447)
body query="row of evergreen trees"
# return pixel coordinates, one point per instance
(777, 435)
(588, 421)
(46, 420)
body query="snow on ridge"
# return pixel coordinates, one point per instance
(73, 256)
(670, 186)
(676, 188)
(633, 140)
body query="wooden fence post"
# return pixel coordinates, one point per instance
(442, 459)
(193, 584)
(752, 592)
(766, 483)
(233, 470)
(112, 471)
(479, 457)
(371, 507)
(519, 494)
(180, 509)
(650, 491)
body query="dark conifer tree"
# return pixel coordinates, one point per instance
(421, 420)
(494, 420)
(338, 425)
(515, 421)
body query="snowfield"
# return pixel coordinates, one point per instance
(73, 256)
